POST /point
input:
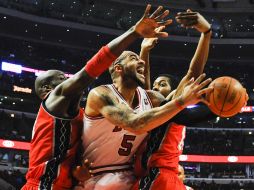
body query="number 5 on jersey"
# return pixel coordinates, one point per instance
(126, 145)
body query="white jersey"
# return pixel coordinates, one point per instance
(109, 147)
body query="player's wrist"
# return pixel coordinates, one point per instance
(208, 31)
(179, 103)
(134, 30)
(100, 62)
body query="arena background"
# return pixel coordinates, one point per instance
(37, 35)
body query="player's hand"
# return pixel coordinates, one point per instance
(146, 26)
(194, 90)
(83, 172)
(149, 43)
(190, 19)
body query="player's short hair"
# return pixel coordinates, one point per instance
(116, 62)
(172, 80)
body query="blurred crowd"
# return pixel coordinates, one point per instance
(103, 13)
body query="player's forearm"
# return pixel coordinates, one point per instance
(146, 121)
(121, 43)
(200, 57)
(93, 68)
(145, 56)
(193, 116)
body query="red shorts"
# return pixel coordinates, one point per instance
(159, 179)
(29, 187)
(34, 186)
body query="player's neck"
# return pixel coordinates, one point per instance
(127, 93)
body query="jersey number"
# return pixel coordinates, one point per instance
(126, 145)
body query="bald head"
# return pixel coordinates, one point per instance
(47, 81)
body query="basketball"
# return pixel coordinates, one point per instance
(227, 98)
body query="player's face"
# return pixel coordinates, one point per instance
(161, 84)
(181, 174)
(58, 78)
(134, 69)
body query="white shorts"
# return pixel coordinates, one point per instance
(109, 181)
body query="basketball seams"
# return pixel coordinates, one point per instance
(225, 98)
(214, 102)
(236, 104)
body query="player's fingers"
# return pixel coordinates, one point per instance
(204, 83)
(190, 23)
(156, 12)
(186, 17)
(199, 79)
(186, 13)
(161, 34)
(159, 29)
(147, 10)
(162, 16)
(205, 91)
(190, 82)
(165, 23)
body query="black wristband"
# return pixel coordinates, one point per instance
(209, 30)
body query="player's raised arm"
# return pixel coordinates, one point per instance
(145, 27)
(190, 19)
(146, 46)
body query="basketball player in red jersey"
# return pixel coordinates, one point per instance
(165, 143)
(58, 126)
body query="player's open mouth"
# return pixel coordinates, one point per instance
(141, 70)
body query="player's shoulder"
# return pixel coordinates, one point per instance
(156, 97)
(101, 94)
(102, 89)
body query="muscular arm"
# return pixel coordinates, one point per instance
(101, 101)
(76, 84)
(198, 61)
(197, 64)
(73, 87)
(123, 116)
(146, 46)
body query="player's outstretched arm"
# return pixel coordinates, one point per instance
(145, 27)
(190, 19)
(146, 46)
(122, 116)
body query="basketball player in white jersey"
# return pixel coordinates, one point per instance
(118, 117)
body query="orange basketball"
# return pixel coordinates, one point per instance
(227, 98)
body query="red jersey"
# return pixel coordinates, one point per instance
(53, 148)
(170, 148)
(161, 158)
